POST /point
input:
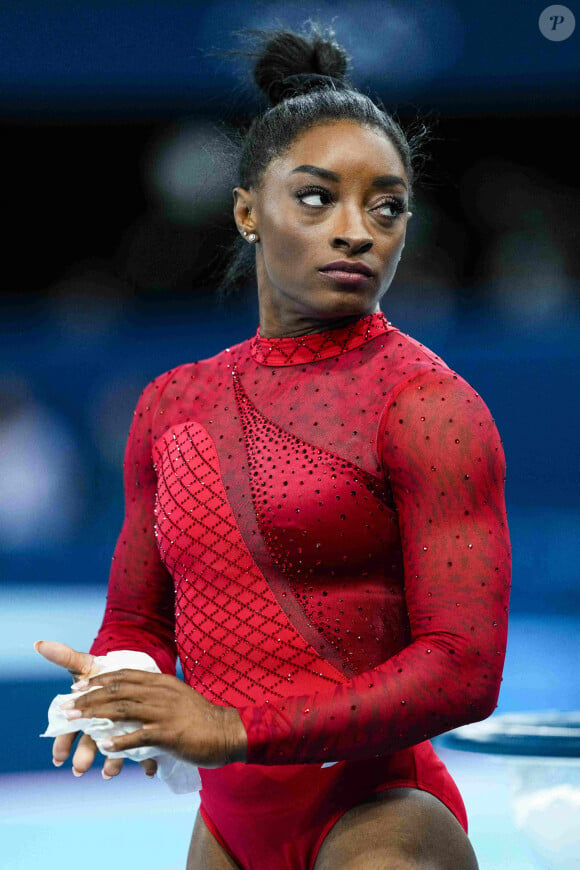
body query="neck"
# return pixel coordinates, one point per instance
(278, 323)
(308, 327)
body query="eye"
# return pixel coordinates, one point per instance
(396, 205)
(309, 195)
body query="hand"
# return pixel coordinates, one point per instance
(173, 715)
(81, 666)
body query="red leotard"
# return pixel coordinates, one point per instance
(316, 525)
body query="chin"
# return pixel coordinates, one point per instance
(344, 303)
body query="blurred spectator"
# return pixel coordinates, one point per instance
(40, 471)
(189, 171)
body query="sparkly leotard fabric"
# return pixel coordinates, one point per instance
(316, 526)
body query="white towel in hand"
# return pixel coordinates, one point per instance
(180, 776)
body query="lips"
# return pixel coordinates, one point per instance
(353, 266)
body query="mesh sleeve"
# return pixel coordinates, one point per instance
(440, 449)
(139, 612)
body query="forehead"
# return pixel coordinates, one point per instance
(346, 147)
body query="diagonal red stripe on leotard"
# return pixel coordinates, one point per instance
(235, 643)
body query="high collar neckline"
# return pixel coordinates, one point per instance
(296, 350)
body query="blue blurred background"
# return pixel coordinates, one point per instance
(116, 193)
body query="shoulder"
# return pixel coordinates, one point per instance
(196, 374)
(434, 419)
(425, 385)
(412, 362)
(409, 353)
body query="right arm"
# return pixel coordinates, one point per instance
(139, 614)
(139, 611)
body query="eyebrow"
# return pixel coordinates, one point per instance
(379, 181)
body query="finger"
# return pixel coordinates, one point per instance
(117, 709)
(127, 676)
(149, 766)
(78, 663)
(118, 702)
(142, 737)
(84, 755)
(61, 748)
(112, 767)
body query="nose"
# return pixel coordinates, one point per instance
(360, 246)
(352, 232)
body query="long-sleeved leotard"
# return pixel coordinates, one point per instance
(317, 526)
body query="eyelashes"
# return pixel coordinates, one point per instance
(395, 203)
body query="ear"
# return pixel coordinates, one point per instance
(243, 205)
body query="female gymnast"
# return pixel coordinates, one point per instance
(315, 524)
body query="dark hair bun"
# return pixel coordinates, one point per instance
(290, 63)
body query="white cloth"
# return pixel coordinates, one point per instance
(180, 776)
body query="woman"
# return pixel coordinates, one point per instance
(315, 522)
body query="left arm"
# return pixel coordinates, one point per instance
(440, 448)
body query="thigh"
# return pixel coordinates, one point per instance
(399, 829)
(205, 853)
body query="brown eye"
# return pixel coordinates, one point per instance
(308, 194)
(396, 205)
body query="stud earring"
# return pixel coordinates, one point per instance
(252, 237)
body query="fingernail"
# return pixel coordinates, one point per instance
(107, 744)
(79, 685)
(57, 763)
(73, 714)
(77, 772)
(67, 705)
(105, 775)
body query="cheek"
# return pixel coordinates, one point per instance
(288, 246)
(395, 244)
(394, 259)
